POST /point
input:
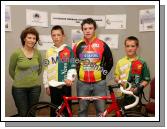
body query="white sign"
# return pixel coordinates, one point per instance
(45, 42)
(8, 19)
(115, 21)
(110, 39)
(147, 20)
(75, 20)
(36, 18)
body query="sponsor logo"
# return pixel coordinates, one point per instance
(89, 55)
(95, 45)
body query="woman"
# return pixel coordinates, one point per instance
(24, 68)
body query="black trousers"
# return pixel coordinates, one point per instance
(56, 95)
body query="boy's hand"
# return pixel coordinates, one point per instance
(68, 82)
(123, 84)
(47, 91)
(138, 90)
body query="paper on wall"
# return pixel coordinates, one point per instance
(36, 18)
(115, 21)
(110, 39)
(76, 36)
(75, 20)
(45, 42)
(147, 20)
(8, 26)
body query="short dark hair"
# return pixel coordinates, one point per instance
(132, 38)
(88, 21)
(29, 30)
(57, 27)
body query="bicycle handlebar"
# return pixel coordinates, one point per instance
(130, 93)
(126, 91)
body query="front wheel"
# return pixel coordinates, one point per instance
(42, 109)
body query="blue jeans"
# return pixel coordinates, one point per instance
(25, 97)
(91, 89)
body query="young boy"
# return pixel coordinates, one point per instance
(132, 68)
(59, 58)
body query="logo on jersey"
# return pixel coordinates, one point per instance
(95, 45)
(89, 55)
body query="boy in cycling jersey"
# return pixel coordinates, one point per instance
(60, 63)
(132, 68)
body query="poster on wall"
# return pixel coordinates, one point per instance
(45, 42)
(147, 20)
(110, 39)
(8, 26)
(76, 36)
(75, 20)
(115, 21)
(36, 18)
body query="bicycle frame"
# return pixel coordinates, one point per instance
(112, 107)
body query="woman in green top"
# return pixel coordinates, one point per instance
(24, 68)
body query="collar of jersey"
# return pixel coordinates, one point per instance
(58, 49)
(92, 40)
(136, 58)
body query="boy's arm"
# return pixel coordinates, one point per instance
(108, 59)
(145, 80)
(116, 73)
(145, 75)
(74, 50)
(72, 64)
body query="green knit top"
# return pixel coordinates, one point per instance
(24, 71)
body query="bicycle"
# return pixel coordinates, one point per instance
(118, 111)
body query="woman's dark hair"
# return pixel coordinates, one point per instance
(88, 21)
(29, 30)
(57, 27)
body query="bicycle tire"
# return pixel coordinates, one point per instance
(33, 110)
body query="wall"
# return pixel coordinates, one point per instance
(18, 12)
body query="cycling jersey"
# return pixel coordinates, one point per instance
(133, 70)
(58, 63)
(95, 60)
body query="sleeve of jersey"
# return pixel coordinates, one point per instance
(116, 72)
(108, 58)
(146, 73)
(72, 61)
(71, 74)
(74, 50)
